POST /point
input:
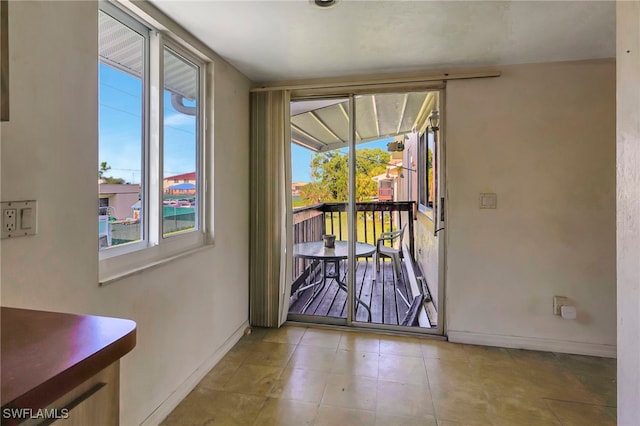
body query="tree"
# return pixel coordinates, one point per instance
(330, 171)
(111, 179)
(104, 167)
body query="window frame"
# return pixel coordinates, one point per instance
(144, 30)
(424, 206)
(154, 248)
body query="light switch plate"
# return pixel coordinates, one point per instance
(19, 218)
(488, 201)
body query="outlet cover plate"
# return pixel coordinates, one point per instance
(558, 303)
(20, 231)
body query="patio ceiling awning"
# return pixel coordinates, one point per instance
(323, 125)
(122, 48)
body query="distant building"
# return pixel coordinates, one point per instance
(181, 189)
(388, 182)
(296, 187)
(178, 180)
(117, 200)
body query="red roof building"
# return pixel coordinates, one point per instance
(179, 179)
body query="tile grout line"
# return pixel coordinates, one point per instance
(566, 401)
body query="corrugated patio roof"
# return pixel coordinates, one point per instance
(324, 125)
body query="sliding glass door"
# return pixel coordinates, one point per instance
(358, 173)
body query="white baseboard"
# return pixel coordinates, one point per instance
(533, 343)
(167, 406)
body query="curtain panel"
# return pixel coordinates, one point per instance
(270, 222)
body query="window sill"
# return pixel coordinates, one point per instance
(426, 211)
(111, 278)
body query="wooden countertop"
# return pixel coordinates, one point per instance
(46, 354)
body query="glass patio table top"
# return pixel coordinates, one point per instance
(317, 250)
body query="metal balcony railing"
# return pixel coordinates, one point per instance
(374, 218)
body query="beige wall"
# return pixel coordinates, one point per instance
(628, 188)
(186, 310)
(542, 137)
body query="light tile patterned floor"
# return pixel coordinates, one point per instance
(312, 376)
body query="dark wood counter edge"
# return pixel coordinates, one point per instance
(65, 381)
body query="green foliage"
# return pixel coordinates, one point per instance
(330, 171)
(112, 180)
(104, 167)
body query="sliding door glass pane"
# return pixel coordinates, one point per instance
(121, 138)
(386, 135)
(320, 173)
(180, 147)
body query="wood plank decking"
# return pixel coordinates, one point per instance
(383, 297)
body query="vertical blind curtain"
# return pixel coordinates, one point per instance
(271, 240)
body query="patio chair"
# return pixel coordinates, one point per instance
(394, 251)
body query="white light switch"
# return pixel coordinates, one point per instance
(26, 218)
(488, 201)
(568, 312)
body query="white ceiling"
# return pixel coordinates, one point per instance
(274, 40)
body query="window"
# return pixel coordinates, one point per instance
(123, 51)
(180, 148)
(150, 141)
(103, 204)
(426, 171)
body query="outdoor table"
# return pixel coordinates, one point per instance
(316, 250)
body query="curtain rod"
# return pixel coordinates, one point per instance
(385, 81)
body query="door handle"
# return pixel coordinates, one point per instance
(441, 206)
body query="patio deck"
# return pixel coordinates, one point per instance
(387, 307)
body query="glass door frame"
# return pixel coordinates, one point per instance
(439, 221)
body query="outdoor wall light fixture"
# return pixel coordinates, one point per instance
(395, 146)
(324, 3)
(434, 120)
(398, 171)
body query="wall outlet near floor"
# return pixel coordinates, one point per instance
(558, 303)
(18, 218)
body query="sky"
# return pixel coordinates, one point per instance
(120, 128)
(120, 132)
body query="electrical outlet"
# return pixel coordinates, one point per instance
(9, 220)
(558, 303)
(19, 218)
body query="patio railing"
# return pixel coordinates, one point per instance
(311, 222)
